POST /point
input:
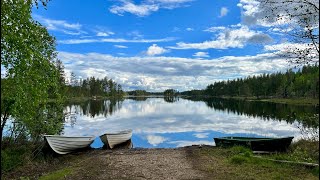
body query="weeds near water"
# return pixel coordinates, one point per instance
(240, 155)
(239, 159)
(60, 174)
(301, 151)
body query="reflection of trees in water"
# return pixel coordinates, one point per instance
(70, 114)
(171, 99)
(266, 110)
(138, 98)
(70, 118)
(310, 133)
(93, 108)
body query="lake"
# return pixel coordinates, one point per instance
(176, 122)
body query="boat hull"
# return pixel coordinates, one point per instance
(67, 144)
(112, 139)
(256, 144)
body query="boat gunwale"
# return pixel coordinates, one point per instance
(118, 133)
(69, 136)
(252, 138)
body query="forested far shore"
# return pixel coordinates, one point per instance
(94, 87)
(303, 83)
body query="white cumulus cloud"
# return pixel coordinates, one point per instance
(230, 38)
(201, 54)
(155, 50)
(139, 10)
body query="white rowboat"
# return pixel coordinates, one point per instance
(67, 144)
(113, 139)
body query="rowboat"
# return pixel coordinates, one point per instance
(256, 144)
(112, 139)
(67, 144)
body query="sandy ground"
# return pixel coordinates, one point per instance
(138, 164)
(118, 164)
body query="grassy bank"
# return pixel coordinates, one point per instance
(241, 163)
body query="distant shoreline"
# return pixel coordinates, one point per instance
(291, 101)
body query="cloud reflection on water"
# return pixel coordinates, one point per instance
(158, 123)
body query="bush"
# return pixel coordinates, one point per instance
(240, 154)
(12, 157)
(305, 150)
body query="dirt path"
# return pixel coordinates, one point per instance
(137, 164)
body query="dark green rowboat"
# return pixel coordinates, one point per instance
(256, 144)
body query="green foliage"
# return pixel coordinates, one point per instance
(138, 93)
(304, 83)
(238, 159)
(193, 93)
(93, 87)
(60, 174)
(170, 92)
(241, 150)
(315, 171)
(12, 157)
(240, 154)
(301, 151)
(28, 55)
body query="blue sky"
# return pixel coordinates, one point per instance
(160, 44)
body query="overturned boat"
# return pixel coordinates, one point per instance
(67, 144)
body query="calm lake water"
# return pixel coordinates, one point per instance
(176, 122)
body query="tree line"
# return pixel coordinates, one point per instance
(93, 87)
(89, 87)
(302, 83)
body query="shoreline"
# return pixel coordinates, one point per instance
(289, 101)
(190, 162)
